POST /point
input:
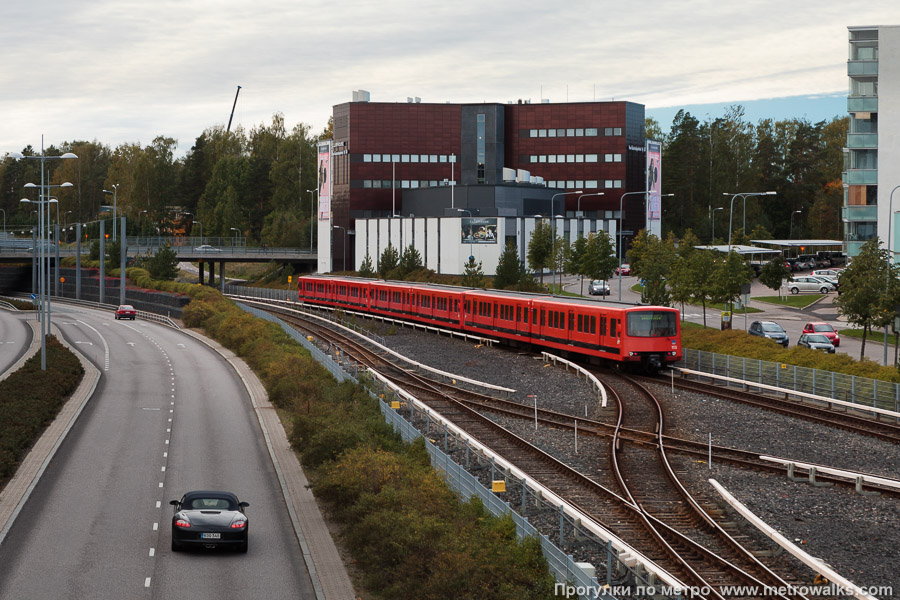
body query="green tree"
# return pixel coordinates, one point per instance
(410, 261)
(388, 262)
(473, 276)
(731, 274)
(702, 269)
(773, 274)
(863, 299)
(681, 284)
(576, 263)
(600, 259)
(164, 264)
(540, 248)
(366, 269)
(114, 252)
(509, 269)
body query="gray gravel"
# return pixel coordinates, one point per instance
(857, 535)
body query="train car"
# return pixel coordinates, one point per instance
(647, 337)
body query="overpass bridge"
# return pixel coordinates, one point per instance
(205, 251)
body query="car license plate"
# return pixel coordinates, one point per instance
(211, 536)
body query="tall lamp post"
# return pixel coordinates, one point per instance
(462, 210)
(552, 255)
(578, 208)
(619, 232)
(344, 232)
(312, 216)
(887, 274)
(238, 235)
(712, 239)
(731, 209)
(198, 223)
(791, 230)
(115, 193)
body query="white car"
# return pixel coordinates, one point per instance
(833, 273)
(206, 248)
(807, 283)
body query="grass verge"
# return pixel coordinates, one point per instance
(31, 398)
(794, 301)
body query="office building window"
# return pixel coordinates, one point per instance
(532, 133)
(607, 158)
(414, 158)
(579, 133)
(395, 158)
(404, 158)
(617, 158)
(542, 158)
(560, 132)
(533, 158)
(551, 133)
(434, 158)
(570, 158)
(590, 132)
(608, 184)
(385, 158)
(607, 131)
(367, 158)
(552, 158)
(560, 158)
(367, 183)
(413, 184)
(617, 183)
(443, 158)
(542, 133)
(617, 131)
(591, 158)
(591, 183)
(376, 158)
(579, 184)
(570, 132)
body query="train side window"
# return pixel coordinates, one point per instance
(525, 315)
(542, 317)
(593, 324)
(495, 313)
(580, 323)
(612, 327)
(518, 314)
(572, 321)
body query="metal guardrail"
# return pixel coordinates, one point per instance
(573, 579)
(838, 386)
(588, 376)
(147, 316)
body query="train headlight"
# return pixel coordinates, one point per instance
(631, 354)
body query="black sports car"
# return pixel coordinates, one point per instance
(209, 520)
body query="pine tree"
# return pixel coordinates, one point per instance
(388, 262)
(366, 269)
(164, 264)
(410, 261)
(473, 277)
(509, 269)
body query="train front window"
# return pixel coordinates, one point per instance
(652, 323)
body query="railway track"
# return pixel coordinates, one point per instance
(857, 423)
(650, 512)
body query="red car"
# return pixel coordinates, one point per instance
(125, 311)
(626, 269)
(826, 330)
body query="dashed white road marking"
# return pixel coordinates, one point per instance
(155, 526)
(152, 551)
(105, 345)
(147, 582)
(158, 504)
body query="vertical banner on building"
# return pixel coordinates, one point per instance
(324, 177)
(654, 187)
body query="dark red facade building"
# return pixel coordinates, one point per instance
(384, 152)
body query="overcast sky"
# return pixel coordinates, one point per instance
(128, 70)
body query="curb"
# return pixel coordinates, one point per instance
(294, 487)
(19, 488)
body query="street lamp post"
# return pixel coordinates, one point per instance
(887, 275)
(115, 193)
(462, 210)
(238, 235)
(312, 216)
(552, 247)
(619, 232)
(712, 239)
(344, 233)
(201, 231)
(731, 209)
(578, 208)
(791, 230)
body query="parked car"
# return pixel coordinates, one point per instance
(626, 269)
(827, 273)
(598, 287)
(830, 279)
(816, 341)
(795, 285)
(207, 248)
(824, 329)
(770, 330)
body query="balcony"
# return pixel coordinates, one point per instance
(862, 140)
(861, 177)
(862, 104)
(862, 67)
(859, 213)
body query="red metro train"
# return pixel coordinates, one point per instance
(647, 337)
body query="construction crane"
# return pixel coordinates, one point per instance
(232, 109)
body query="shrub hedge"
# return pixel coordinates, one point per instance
(408, 533)
(31, 398)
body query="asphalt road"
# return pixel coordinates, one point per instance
(792, 320)
(15, 337)
(168, 416)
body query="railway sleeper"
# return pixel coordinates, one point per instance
(773, 552)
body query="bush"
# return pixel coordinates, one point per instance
(31, 398)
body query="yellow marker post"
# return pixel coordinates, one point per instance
(498, 486)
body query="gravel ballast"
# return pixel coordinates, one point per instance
(859, 536)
